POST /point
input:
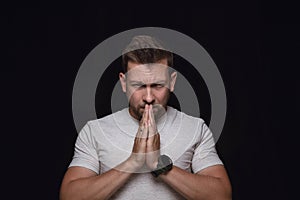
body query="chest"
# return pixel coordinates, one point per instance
(116, 146)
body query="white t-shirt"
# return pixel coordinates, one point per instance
(104, 143)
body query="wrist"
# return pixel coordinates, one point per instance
(164, 165)
(132, 165)
(153, 166)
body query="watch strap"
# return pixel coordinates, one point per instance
(164, 165)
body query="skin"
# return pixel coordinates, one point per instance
(147, 84)
(148, 89)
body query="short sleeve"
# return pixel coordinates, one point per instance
(85, 153)
(205, 154)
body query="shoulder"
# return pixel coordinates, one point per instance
(184, 117)
(106, 124)
(107, 120)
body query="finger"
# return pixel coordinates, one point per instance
(142, 123)
(151, 116)
(153, 143)
(145, 131)
(143, 117)
(140, 131)
(152, 126)
(146, 113)
(156, 141)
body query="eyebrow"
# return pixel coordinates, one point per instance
(142, 83)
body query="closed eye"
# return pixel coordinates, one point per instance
(157, 85)
(138, 85)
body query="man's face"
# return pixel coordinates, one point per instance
(147, 84)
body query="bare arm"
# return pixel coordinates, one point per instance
(82, 183)
(210, 183)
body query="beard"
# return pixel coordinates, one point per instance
(158, 111)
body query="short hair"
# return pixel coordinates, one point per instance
(145, 49)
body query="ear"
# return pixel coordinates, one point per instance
(173, 81)
(122, 78)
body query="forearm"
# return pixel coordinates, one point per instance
(196, 186)
(97, 187)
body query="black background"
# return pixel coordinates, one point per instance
(254, 44)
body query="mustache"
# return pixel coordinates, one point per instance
(144, 105)
(153, 105)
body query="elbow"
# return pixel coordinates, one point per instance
(63, 195)
(220, 191)
(224, 192)
(227, 191)
(225, 196)
(228, 195)
(66, 193)
(67, 196)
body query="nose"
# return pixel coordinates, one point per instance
(148, 96)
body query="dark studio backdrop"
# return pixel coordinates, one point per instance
(254, 44)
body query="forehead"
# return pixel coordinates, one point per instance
(131, 64)
(148, 72)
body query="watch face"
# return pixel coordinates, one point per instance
(165, 161)
(164, 165)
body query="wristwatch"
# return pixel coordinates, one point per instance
(164, 165)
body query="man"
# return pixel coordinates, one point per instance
(149, 150)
